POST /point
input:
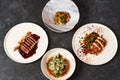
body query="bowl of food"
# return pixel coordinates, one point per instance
(60, 16)
(58, 64)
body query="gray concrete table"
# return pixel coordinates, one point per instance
(13, 12)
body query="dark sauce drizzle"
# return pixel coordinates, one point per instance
(33, 51)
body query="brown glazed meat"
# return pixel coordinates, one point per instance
(28, 45)
(93, 43)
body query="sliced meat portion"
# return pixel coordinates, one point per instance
(29, 40)
(94, 49)
(23, 44)
(29, 43)
(98, 45)
(24, 49)
(32, 39)
(102, 40)
(93, 43)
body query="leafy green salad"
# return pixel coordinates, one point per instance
(57, 65)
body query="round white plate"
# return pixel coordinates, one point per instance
(54, 52)
(54, 6)
(106, 55)
(15, 34)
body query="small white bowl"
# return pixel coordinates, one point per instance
(54, 6)
(54, 52)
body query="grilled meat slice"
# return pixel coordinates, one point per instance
(93, 43)
(27, 43)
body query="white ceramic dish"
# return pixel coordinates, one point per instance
(15, 34)
(54, 6)
(106, 55)
(54, 52)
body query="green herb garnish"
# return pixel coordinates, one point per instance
(57, 65)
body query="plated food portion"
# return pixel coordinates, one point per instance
(27, 45)
(25, 42)
(94, 44)
(60, 16)
(58, 64)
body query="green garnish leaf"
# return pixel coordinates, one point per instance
(57, 65)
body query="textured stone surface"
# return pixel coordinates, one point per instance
(13, 12)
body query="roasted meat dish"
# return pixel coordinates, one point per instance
(93, 43)
(28, 45)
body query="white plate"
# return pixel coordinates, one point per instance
(15, 34)
(54, 52)
(54, 6)
(106, 55)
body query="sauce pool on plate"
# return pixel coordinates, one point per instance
(27, 46)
